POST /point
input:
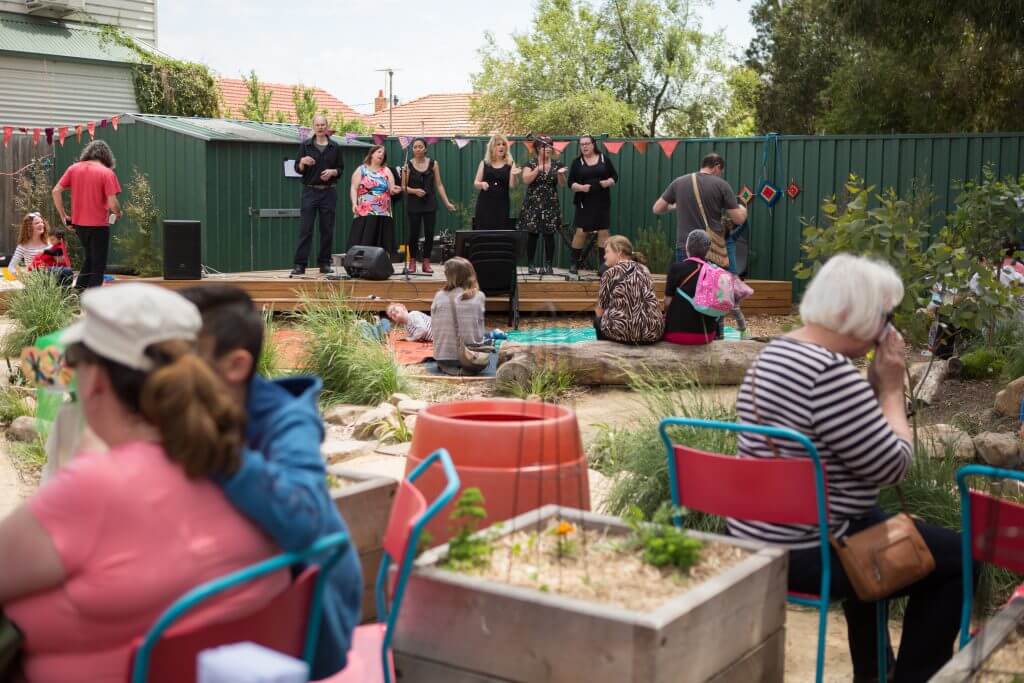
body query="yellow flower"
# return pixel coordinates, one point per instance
(564, 528)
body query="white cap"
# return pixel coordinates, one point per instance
(121, 321)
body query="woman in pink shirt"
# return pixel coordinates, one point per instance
(94, 189)
(91, 560)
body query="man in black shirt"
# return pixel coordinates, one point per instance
(319, 164)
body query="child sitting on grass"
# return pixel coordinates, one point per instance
(55, 258)
(417, 324)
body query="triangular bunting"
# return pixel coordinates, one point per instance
(668, 146)
(114, 120)
(349, 137)
(91, 127)
(433, 140)
(78, 132)
(613, 146)
(640, 145)
(36, 133)
(8, 132)
(460, 142)
(304, 133)
(404, 140)
(49, 136)
(103, 123)
(560, 145)
(379, 138)
(23, 130)
(62, 133)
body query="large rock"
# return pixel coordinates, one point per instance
(411, 406)
(340, 450)
(343, 415)
(366, 426)
(998, 450)
(939, 438)
(609, 363)
(1008, 400)
(22, 429)
(927, 379)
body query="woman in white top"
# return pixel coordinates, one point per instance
(32, 239)
(460, 296)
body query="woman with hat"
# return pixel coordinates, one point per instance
(541, 215)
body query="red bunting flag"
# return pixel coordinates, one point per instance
(36, 133)
(78, 132)
(560, 145)
(103, 123)
(433, 140)
(8, 132)
(640, 145)
(49, 136)
(668, 146)
(91, 127)
(613, 147)
(62, 133)
(114, 120)
(379, 138)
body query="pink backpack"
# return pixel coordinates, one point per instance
(716, 293)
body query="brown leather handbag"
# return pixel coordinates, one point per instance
(717, 252)
(882, 559)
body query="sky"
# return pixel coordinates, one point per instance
(431, 45)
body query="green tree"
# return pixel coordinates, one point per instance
(137, 238)
(339, 124)
(730, 110)
(306, 105)
(257, 103)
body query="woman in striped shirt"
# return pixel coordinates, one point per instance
(33, 238)
(806, 381)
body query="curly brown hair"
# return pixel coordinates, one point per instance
(26, 228)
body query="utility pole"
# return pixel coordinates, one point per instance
(391, 98)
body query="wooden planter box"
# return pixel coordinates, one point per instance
(457, 628)
(366, 506)
(966, 664)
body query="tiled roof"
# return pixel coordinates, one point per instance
(62, 39)
(441, 115)
(234, 93)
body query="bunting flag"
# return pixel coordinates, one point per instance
(8, 132)
(613, 147)
(640, 145)
(433, 140)
(62, 133)
(103, 123)
(78, 132)
(349, 138)
(36, 133)
(560, 145)
(49, 136)
(668, 146)
(460, 142)
(91, 127)
(23, 130)
(304, 132)
(379, 138)
(114, 120)
(404, 140)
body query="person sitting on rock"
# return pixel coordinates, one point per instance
(417, 323)
(281, 484)
(628, 310)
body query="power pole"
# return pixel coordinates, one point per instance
(391, 98)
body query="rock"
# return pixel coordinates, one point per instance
(397, 398)
(600, 489)
(369, 422)
(410, 422)
(998, 450)
(22, 429)
(939, 438)
(607, 363)
(1008, 400)
(343, 415)
(927, 387)
(340, 450)
(395, 450)
(411, 406)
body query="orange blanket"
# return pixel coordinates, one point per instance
(291, 347)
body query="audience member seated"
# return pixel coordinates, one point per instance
(417, 324)
(806, 381)
(460, 296)
(628, 310)
(281, 484)
(94, 557)
(683, 324)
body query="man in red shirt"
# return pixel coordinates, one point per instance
(94, 207)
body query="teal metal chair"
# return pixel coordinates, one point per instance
(289, 623)
(724, 485)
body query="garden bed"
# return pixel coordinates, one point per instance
(723, 623)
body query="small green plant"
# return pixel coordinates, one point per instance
(269, 363)
(395, 431)
(663, 544)
(29, 458)
(42, 306)
(982, 363)
(656, 247)
(12, 405)
(136, 241)
(467, 549)
(545, 384)
(565, 544)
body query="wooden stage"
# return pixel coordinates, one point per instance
(552, 294)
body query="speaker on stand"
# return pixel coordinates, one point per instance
(183, 250)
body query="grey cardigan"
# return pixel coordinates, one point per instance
(442, 323)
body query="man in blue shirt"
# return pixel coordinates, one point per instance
(281, 485)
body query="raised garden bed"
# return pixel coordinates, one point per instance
(995, 654)
(725, 622)
(364, 500)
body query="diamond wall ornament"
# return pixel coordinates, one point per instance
(792, 190)
(768, 193)
(745, 195)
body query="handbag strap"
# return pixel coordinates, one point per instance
(700, 204)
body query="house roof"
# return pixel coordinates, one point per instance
(234, 93)
(23, 33)
(441, 114)
(229, 130)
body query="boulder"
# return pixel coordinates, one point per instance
(343, 415)
(1008, 400)
(927, 379)
(998, 450)
(23, 428)
(608, 363)
(368, 423)
(940, 437)
(397, 398)
(340, 450)
(411, 406)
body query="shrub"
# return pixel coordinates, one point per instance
(42, 306)
(12, 405)
(137, 241)
(29, 458)
(656, 247)
(982, 363)
(269, 361)
(546, 385)
(354, 367)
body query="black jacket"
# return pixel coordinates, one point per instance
(330, 158)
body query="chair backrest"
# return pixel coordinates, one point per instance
(289, 623)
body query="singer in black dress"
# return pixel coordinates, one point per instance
(591, 177)
(495, 176)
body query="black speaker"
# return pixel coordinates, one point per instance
(183, 250)
(368, 263)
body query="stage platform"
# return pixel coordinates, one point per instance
(552, 294)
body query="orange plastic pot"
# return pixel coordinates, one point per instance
(520, 454)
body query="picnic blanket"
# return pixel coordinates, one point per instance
(409, 352)
(552, 335)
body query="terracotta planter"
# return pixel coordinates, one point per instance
(521, 454)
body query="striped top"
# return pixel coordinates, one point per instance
(820, 393)
(24, 254)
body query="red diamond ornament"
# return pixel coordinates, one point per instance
(793, 190)
(745, 195)
(768, 193)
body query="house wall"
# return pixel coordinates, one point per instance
(135, 17)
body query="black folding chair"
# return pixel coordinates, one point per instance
(494, 257)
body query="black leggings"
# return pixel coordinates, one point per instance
(95, 245)
(549, 246)
(424, 220)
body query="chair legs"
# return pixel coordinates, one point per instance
(819, 667)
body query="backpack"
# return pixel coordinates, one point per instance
(715, 294)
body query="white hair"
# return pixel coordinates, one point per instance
(852, 295)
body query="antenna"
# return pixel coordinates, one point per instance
(391, 96)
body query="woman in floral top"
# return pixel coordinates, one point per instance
(370, 193)
(628, 310)
(541, 214)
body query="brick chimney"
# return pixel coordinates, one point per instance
(380, 103)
